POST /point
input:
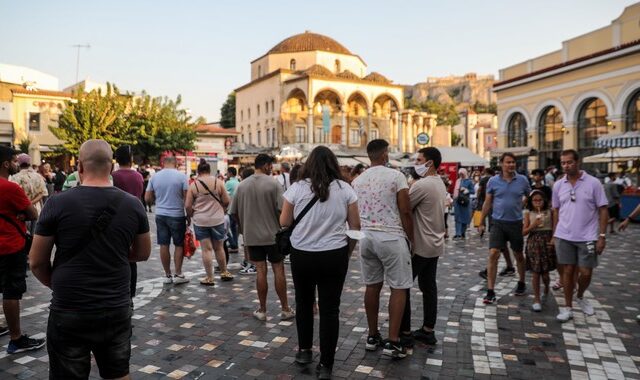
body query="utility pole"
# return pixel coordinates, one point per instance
(78, 47)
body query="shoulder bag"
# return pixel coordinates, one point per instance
(283, 237)
(27, 237)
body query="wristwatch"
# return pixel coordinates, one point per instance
(604, 236)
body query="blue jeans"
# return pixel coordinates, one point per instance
(461, 228)
(233, 239)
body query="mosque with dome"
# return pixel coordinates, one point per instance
(309, 89)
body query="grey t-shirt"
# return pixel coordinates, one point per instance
(257, 203)
(428, 196)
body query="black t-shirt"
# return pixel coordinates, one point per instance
(99, 277)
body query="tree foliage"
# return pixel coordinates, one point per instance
(150, 125)
(228, 112)
(485, 108)
(455, 139)
(446, 113)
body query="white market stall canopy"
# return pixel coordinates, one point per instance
(614, 155)
(619, 140)
(462, 155)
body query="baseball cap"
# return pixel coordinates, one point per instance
(24, 159)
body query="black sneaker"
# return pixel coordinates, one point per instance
(323, 371)
(24, 343)
(304, 357)
(483, 273)
(406, 340)
(373, 342)
(394, 350)
(4, 331)
(490, 298)
(507, 272)
(520, 289)
(426, 337)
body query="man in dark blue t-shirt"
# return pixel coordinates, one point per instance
(97, 229)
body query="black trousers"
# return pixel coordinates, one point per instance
(325, 271)
(425, 269)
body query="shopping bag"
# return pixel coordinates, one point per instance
(477, 218)
(189, 244)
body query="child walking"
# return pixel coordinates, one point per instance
(540, 253)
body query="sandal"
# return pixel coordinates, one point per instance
(557, 285)
(207, 282)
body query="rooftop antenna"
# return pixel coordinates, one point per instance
(78, 47)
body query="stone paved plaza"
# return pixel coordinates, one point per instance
(196, 332)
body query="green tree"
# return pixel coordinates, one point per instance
(485, 108)
(228, 112)
(455, 139)
(94, 115)
(159, 125)
(446, 113)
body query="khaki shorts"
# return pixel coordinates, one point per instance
(386, 256)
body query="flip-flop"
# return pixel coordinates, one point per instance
(206, 282)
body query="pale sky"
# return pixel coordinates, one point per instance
(203, 49)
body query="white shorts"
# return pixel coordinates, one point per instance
(386, 256)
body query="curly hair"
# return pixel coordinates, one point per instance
(321, 168)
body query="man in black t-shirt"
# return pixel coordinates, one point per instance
(97, 229)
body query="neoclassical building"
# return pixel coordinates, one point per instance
(568, 98)
(309, 89)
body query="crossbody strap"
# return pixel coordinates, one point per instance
(210, 192)
(13, 223)
(97, 230)
(284, 181)
(304, 212)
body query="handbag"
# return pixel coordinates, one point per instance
(28, 239)
(283, 237)
(189, 243)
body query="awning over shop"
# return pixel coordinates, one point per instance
(619, 140)
(614, 155)
(517, 151)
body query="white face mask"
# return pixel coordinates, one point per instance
(422, 169)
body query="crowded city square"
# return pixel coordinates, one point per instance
(333, 223)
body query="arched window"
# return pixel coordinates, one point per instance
(517, 131)
(633, 113)
(374, 134)
(550, 135)
(292, 64)
(592, 123)
(266, 107)
(338, 68)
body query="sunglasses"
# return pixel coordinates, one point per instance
(572, 193)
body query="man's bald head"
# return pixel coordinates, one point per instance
(95, 158)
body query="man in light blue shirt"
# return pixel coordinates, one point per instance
(168, 189)
(505, 195)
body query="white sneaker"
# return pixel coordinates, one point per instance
(536, 307)
(565, 314)
(260, 315)
(168, 279)
(285, 315)
(585, 305)
(180, 279)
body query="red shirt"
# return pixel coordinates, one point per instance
(128, 180)
(12, 201)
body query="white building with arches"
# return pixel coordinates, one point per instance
(309, 89)
(568, 98)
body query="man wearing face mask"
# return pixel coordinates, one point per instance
(427, 197)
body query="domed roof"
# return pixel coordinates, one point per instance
(377, 77)
(348, 75)
(308, 41)
(320, 71)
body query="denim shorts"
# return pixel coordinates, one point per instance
(13, 271)
(216, 233)
(171, 228)
(72, 336)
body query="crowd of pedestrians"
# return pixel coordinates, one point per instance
(399, 225)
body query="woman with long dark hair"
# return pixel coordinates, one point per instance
(321, 251)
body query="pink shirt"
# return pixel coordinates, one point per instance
(578, 220)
